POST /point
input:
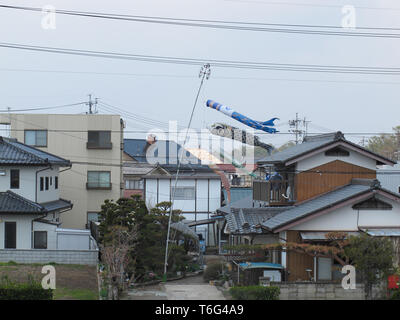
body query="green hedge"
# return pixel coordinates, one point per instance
(24, 291)
(255, 293)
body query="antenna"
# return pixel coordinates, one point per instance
(295, 125)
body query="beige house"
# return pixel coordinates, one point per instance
(94, 145)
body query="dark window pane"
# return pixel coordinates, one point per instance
(41, 183)
(14, 179)
(56, 182)
(40, 240)
(99, 139)
(10, 235)
(47, 183)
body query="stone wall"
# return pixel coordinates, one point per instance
(84, 257)
(321, 291)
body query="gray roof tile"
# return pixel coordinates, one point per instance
(312, 143)
(316, 204)
(13, 152)
(11, 202)
(249, 220)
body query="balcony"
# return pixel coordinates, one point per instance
(96, 145)
(275, 192)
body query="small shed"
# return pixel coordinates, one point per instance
(253, 271)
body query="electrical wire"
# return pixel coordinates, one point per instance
(11, 110)
(213, 62)
(219, 24)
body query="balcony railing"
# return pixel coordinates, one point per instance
(275, 192)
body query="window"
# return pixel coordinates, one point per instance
(134, 184)
(99, 140)
(10, 235)
(92, 216)
(56, 182)
(51, 181)
(40, 240)
(324, 268)
(14, 179)
(99, 180)
(41, 183)
(36, 138)
(47, 183)
(183, 193)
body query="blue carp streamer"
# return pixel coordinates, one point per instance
(258, 125)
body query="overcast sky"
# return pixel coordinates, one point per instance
(351, 103)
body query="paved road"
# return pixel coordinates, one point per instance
(192, 288)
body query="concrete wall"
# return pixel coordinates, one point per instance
(321, 291)
(68, 140)
(46, 256)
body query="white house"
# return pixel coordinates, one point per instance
(31, 210)
(197, 194)
(327, 184)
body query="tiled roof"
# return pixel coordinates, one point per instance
(312, 143)
(249, 220)
(245, 202)
(316, 204)
(298, 149)
(13, 152)
(10, 202)
(13, 203)
(56, 205)
(137, 148)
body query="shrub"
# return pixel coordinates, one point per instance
(30, 290)
(213, 271)
(395, 295)
(255, 293)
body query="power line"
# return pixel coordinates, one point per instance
(299, 4)
(191, 77)
(258, 133)
(232, 25)
(204, 74)
(10, 109)
(212, 62)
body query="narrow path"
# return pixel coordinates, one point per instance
(191, 288)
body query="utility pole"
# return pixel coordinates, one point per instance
(205, 73)
(9, 121)
(91, 103)
(295, 125)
